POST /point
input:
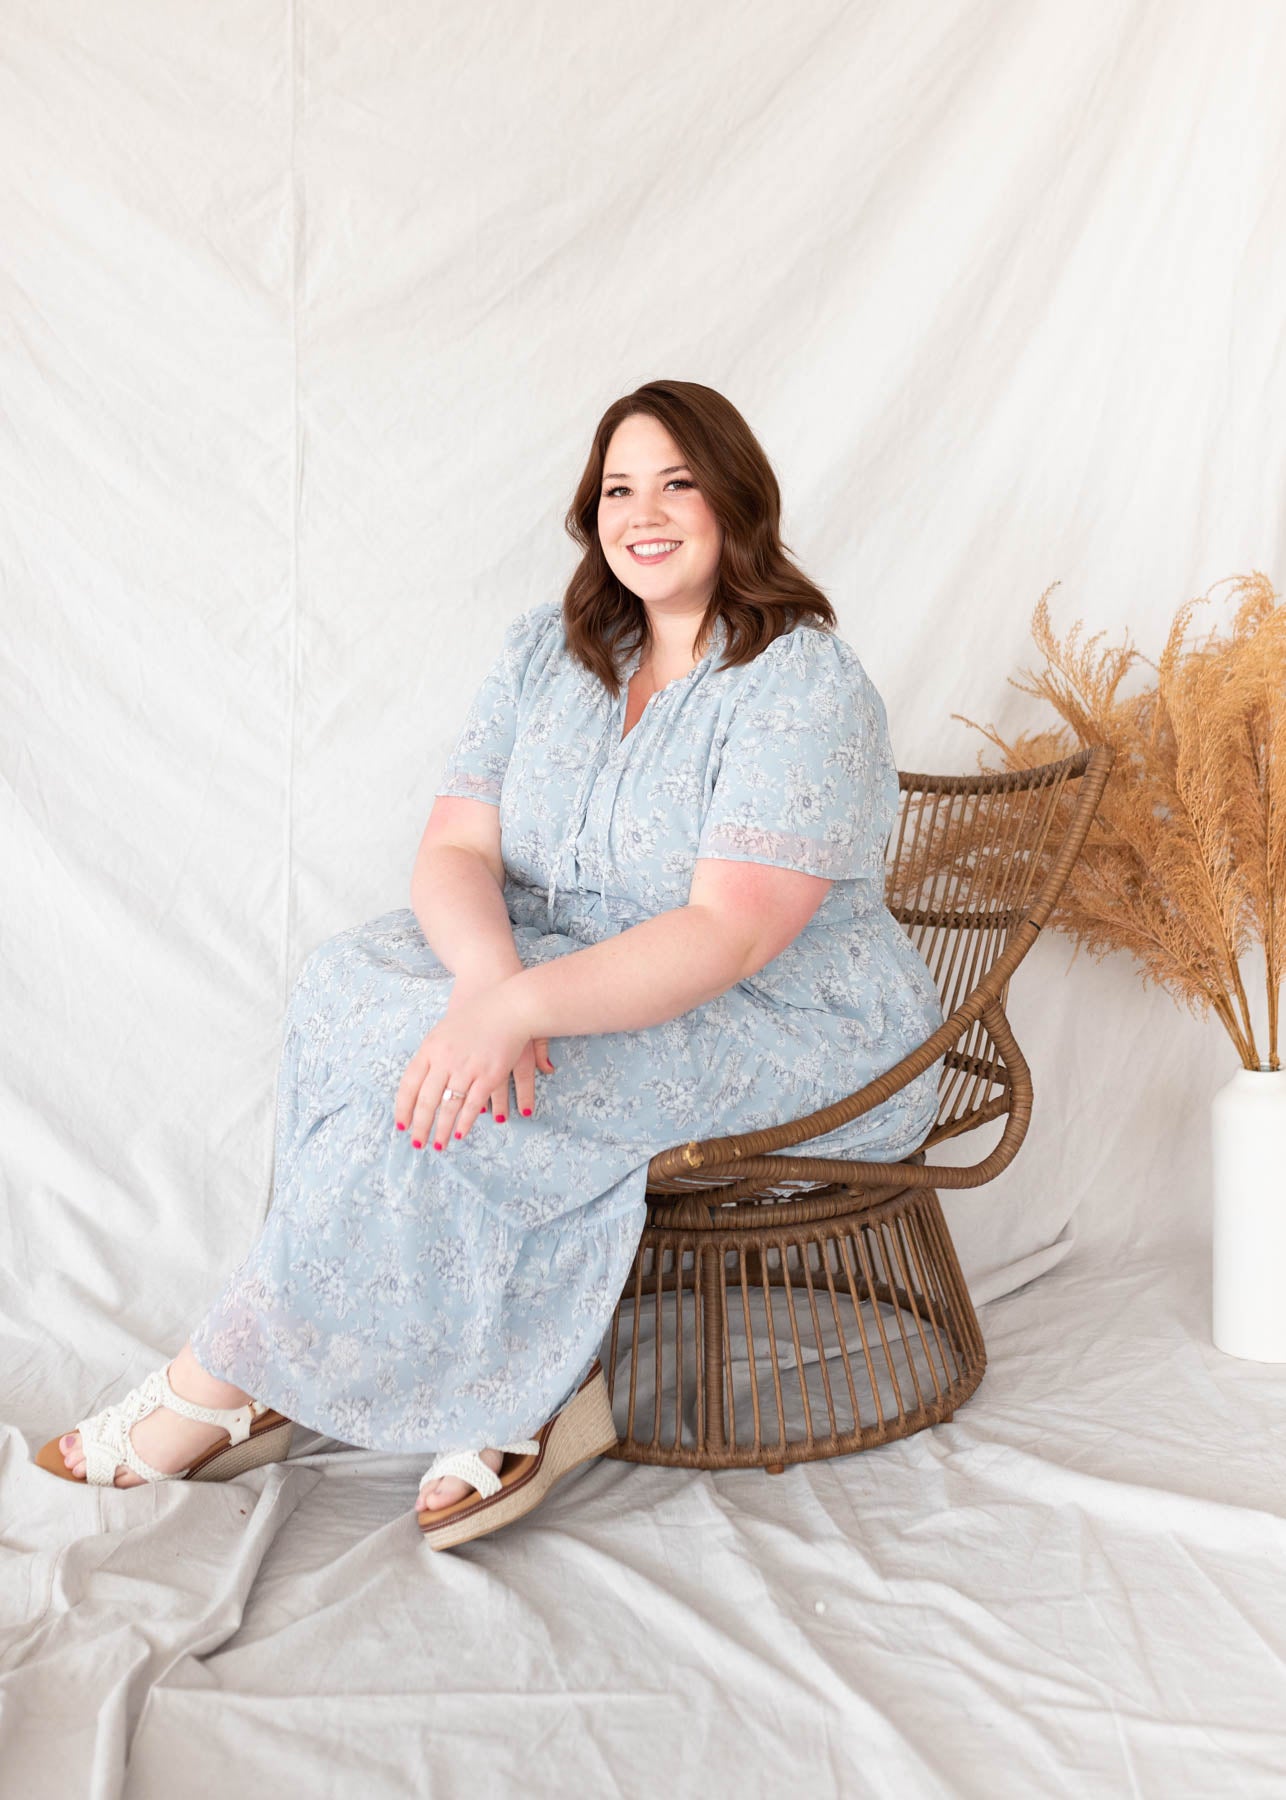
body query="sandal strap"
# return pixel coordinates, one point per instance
(468, 1466)
(105, 1438)
(236, 1420)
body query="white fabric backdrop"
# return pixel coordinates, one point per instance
(309, 312)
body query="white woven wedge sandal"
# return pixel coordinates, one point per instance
(256, 1435)
(582, 1431)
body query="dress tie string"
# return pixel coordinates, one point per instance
(604, 749)
(576, 820)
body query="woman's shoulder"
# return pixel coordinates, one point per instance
(532, 640)
(535, 623)
(811, 654)
(809, 680)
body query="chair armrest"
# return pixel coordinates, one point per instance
(724, 1154)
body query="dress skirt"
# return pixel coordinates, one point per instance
(422, 1300)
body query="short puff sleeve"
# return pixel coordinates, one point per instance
(806, 778)
(476, 766)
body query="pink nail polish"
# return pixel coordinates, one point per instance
(457, 1134)
(526, 1112)
(416, 1144)
(437, 1146)
(400, 1126)
(500, 1118)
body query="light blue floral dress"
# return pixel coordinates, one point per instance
(425, 1300)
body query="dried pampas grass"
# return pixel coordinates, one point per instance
(1185, 864)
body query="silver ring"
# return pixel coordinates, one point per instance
(451, 1094)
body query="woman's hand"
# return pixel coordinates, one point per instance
(475, 1046)
(463, 989)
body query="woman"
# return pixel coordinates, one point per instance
(660, 840)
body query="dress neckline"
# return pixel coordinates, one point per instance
(718, 634)
(612, 749)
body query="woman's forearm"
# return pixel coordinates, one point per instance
(643, 976)
(462, 912)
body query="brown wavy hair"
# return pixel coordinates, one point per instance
(758, 590)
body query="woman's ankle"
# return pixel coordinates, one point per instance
(191, 1382)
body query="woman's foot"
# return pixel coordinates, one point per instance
(448, 1488)
(166, 1439)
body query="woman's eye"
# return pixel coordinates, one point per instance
(682, 480)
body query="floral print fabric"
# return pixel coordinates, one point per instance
(422, 1300)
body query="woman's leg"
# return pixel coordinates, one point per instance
(166, 1439)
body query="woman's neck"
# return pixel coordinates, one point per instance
(671, 651)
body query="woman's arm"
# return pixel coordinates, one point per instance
(738, 916)
(457, 890)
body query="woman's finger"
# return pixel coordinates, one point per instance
(434, 1113)
(525, 1081)
(456, 1116)
(408, 1089)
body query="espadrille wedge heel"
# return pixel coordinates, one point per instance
(582, 1431)
(256, 1435)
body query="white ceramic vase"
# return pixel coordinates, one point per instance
(1248, 1240)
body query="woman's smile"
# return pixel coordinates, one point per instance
(654, 550)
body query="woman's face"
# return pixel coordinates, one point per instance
(649, 497)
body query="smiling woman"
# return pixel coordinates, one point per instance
(657, 845)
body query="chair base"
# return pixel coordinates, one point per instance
(763, 1339)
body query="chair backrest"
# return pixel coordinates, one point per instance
(970, 858)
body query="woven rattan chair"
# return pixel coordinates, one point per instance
(786, 1308)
